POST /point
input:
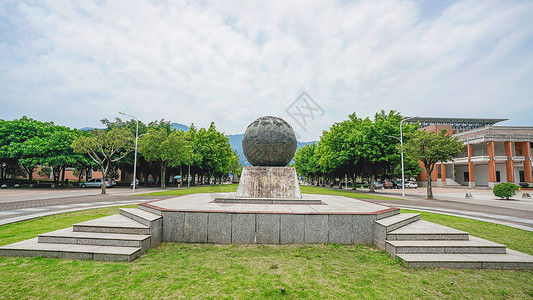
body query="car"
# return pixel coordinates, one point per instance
(378, 185)
(96, 182)
(411, 184)
(112, 181)
(397, 184)
(387, 184)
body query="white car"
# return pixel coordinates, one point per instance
(411, 184)
(97, 182)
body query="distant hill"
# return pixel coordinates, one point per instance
(179, 126)
(235, 141)
(87, 129)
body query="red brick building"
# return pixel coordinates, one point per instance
(492, 154)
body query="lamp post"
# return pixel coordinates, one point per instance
(135, 158)
(401, 150)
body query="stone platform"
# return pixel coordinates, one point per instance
(198, 218)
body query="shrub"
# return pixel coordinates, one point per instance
(505, 190)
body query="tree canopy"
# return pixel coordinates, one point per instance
(430, 148)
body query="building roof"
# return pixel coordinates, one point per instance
(458, 124)
(497, 133)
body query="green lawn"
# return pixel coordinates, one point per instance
(227, 188)
(174, 270)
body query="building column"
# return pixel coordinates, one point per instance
(443, 174)
(471, 181)
(509, 164)
(526, 150)
(492, 164)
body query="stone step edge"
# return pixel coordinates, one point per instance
(443, 249)
(397, 221)
(138, 215)
(512, 260)
(92, 252)
(63, 236)
(428, 237)
(111, 229)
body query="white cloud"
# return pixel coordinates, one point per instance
(76, 62)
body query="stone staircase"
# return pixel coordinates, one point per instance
(122, 237)
(422, 244)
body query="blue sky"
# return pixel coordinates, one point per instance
(77, 62)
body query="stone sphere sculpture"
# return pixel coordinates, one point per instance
(269, 141)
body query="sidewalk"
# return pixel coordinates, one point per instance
(18, 205)
(484, 206)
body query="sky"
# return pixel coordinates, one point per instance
(311, 63)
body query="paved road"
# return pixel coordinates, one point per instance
(23, 204)
(517, 212)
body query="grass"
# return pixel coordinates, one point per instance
(228, 188)
(513, 238)
(16, 232)
(206, 271)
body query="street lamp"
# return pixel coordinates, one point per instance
(401, 150)
(135, 158)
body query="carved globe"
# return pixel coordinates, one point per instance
(269, 141)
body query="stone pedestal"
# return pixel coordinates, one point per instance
(268, 182)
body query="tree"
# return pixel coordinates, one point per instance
(105, 147)
(430, 148)
(14, 134)
(168, 149)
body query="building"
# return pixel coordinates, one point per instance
(492, 154)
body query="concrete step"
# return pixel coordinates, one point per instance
(32, 248)
(68, 236)
(473, 245)
(397, 221)
(424, 230)
(141, 216)
(112, 224)
(512, 260)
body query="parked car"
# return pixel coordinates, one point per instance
(397, 184)
(387, 184)
(112, 181)
(411, 184)
(378, 185)
(96, 182)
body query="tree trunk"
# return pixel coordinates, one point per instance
(62, 174)
(371, 185)
(353, 183)
(340, 182)
(429, 188)
(163, 176)
(104, 169)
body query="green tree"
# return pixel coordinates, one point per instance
(168, 149)
(53, 148)
(430, 148)
(105, 147)
(14, 134)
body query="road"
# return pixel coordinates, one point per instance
(23, 204)
(516, 212)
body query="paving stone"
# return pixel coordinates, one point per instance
(340, 229)
(292, 229)
(363, 230)
(267, 228)
(219, 228)
(243, 229)
(316, 229)
(195, 228)
(173, 225)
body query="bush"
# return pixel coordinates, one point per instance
(505, 190)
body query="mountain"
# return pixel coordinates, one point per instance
(179, 126)
(235, 141)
